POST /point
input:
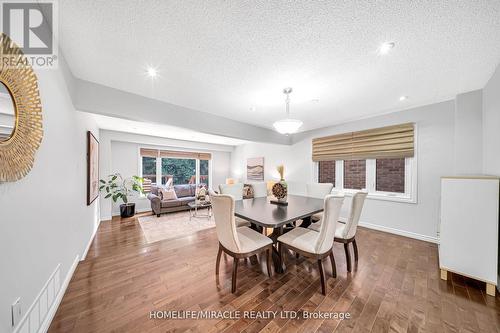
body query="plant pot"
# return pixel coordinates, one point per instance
(127, 210)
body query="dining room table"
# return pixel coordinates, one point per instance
(261, 213)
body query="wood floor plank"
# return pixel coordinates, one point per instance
(395, 287)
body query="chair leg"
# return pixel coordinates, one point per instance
(297, 255)
(217, 263)
(322, 276)
(268, 262)
(235, 272)
(334, 268)
(347, 256)
(355, 247)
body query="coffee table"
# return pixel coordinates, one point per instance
(195, 205)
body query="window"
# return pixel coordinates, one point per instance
(148, 172)
(183, 167)
(384, 179)
(326, 172)
(355, 174)
(390, 175)
(380, 161)
(182, 170)
(204, 174)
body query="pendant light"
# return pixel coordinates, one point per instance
(287, 125)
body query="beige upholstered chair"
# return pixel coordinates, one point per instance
(259, 189)
(240, 242)
(316, 245)
(318, 190)
(236, 191)
(346, 232)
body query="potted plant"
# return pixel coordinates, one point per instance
(118, 187)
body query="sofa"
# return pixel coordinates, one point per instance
(185, 194)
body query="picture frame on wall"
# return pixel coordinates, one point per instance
(255, 168)
(92, 168)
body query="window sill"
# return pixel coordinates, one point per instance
(381, 196)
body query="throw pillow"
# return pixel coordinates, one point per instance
(167, 194)
(247, 191)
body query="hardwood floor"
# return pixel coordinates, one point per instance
(395, 287)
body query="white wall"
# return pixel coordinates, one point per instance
(491, 125)
(121, 155)
(274, 155)
(435, 149)
(44, 219)
(468, 133)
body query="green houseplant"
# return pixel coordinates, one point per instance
(116, 187)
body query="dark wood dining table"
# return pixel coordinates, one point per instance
(263, 214)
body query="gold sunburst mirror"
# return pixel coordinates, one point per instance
(20, 112)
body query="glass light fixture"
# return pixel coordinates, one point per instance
(288, 125)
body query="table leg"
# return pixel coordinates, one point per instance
(256, 227)
(306, 222)
(278, 265)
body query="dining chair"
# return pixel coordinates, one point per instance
(319, 191)
(236, 191)
(346, 232)
(316, 245)
(239, 242)
(259, 189)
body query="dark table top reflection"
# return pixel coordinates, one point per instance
(265, 214)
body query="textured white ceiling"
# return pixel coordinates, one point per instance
(226, 57)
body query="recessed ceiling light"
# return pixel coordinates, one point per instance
(152, 72)
(403, 98)
(253, 108)
(386, 47)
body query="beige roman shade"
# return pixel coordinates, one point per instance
(386, 142)
(149, 152)
(185, 154)
(175, 154)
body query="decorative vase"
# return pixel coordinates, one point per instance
(280, 191)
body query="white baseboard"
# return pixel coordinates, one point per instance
(399, 232)
(106, 218)
(84, 255)
(39, 315)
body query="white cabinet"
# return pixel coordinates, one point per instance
(469, 228)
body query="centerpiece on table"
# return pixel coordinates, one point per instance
(280, 189)
(117, 187)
